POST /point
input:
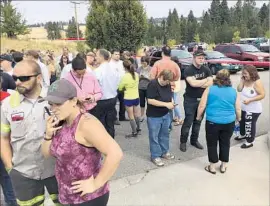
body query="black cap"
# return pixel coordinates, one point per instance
(199, 53)
(6, 57)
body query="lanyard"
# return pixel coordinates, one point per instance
(79, 85)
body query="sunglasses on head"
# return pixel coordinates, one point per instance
(24, 78)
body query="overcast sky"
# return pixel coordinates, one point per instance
(43, 11)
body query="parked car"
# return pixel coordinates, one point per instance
(243, 52)
(181, 57)
(218, 65)
(264, 46)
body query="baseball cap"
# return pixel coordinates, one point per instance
(199, 53)
(60, 91)
(6, 57)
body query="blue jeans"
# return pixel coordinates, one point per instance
(177, 108)
(158, 128)
(7, 186)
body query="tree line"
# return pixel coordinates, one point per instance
(124, 24)
(219, 24)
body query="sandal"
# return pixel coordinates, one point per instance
(221, 170)
(179, 122)
(207, 169)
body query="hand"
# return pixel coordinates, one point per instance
(169, 105)
(84, 186)
(90, 98)
(199, 118)
(238, 119)
(247, 101)
(50, 126)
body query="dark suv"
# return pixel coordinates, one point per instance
(181, 57)
(243, 52)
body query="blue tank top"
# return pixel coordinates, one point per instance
(220, 106)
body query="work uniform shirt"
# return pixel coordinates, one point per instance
(25, 120)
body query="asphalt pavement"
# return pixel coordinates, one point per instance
(136, 150)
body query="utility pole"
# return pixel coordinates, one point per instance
(76, 18)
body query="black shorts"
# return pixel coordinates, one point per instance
(30, 192)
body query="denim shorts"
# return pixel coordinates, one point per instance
(131, 102)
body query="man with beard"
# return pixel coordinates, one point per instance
(23, 122)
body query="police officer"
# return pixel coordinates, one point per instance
(23, 123)
(197, 78)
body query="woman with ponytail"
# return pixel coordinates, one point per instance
(130, 85)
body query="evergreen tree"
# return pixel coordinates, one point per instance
(72, 29)
(215, 13)
(224, 12)
(53, 30)
(183, 26)
(206, 29)
(174, 29)
(116, 24)
(191, 27)
(11, 22)
(96, 23)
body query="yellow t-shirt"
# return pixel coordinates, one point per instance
(129, 86)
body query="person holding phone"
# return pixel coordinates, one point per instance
(88, 89)
(160, 102)
(252, 92)
(78, 146)
(222, 105)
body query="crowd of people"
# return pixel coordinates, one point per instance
(58, 117)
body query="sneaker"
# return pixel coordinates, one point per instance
(116, 122)
(158, 162)
(139, 131)
(131, 135)
(168, 156)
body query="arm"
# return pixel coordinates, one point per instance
(97, 90)
(238, 107)
(202, 104)
(103, 142)
(157, 103)
(154, 71)
(5, 146)
(177, 72)
(122, 83)
(50, 130)
(259, 88)
(240, 86)
(208, 83)
(196, 83)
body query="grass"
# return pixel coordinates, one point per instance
(43, 45)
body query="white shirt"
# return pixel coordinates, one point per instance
(45, 74)
(68, 68)
(109, 80)
(118, 66)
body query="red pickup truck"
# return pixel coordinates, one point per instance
(243, 52)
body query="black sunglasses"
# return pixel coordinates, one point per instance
(24, 78)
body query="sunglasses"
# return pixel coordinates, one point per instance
(24, 78)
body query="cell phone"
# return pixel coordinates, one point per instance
(47, 111)
(50, 114)
(175, 104)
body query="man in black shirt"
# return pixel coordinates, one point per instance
(197, 77)
(159, 99)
